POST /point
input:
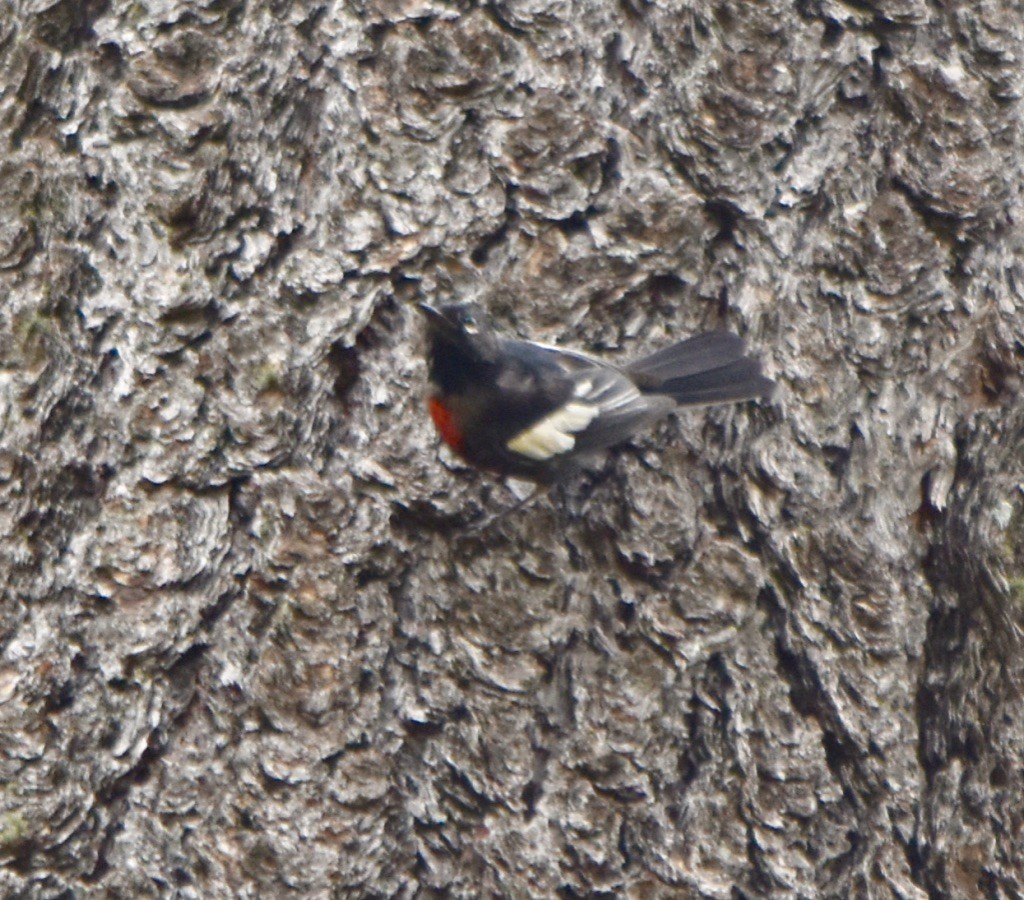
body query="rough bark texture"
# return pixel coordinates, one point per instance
(769, 651)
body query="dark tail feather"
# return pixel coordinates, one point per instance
(739, 380)
(707, 368)
(697, 354)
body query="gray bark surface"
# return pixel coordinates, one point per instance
(246, 646)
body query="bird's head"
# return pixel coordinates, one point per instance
(462, 330)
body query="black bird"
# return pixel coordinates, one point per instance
(534, 412)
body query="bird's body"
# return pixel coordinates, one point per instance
(532, 411)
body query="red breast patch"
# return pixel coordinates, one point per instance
(445, 423)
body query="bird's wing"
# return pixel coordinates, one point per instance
(603, 407)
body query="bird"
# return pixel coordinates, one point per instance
(535, 412)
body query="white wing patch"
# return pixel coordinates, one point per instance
(554, 433)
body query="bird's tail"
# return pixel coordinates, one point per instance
(707, 368)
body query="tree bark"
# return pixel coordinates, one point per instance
(251, 645)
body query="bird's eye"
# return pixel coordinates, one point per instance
(469, 323)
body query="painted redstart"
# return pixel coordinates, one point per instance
(535, 412)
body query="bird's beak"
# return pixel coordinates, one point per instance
(436, 319)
